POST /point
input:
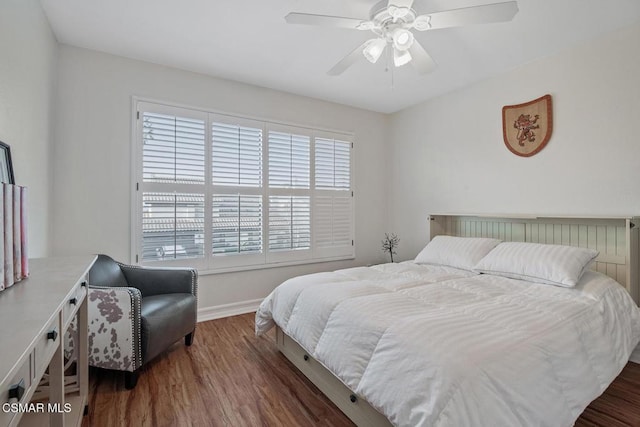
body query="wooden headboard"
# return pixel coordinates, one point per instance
(617, 238)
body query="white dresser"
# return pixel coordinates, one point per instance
(34, 314)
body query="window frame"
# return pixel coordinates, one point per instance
(210, 263)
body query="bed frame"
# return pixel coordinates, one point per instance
(617, 239)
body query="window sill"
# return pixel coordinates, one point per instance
(236, 269)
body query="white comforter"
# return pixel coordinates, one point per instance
(436, 346)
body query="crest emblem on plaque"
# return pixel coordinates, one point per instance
(526, 128)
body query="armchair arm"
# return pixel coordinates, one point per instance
(114, 328)
(165, 280)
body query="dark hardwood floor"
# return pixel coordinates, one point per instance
(619, 405)
(228, 377)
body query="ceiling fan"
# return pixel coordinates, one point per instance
(392, 21)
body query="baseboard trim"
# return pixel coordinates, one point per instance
(227, 310)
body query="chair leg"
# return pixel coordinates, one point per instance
(188, 339)
(131, 379)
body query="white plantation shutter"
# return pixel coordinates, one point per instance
(172, 201)
(289, 160)
(323, 229)
(332, 224)
(236, 170)
(236, 155)
(237, 224)
(173, 149)
(289, 223)
(333, 201)
(173, 226)
(221, 192)
(333, 164)
(289, 193)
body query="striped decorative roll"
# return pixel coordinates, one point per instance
(2, 278)
(17, 225)
(14, 256)
(23, 233)
(8, 234)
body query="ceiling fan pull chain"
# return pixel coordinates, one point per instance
(389, 67)
(393, 82)
(387, 61)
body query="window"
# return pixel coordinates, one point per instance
(173, 183)
(221, 192)
(236, 171)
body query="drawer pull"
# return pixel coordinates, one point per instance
(16, 391)
(353, 398)
(73, 301)
(52, 335)
(305, 357)
(83, 284)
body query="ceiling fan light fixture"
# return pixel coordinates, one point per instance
(422, 23)
(365, 25)
(373, 50)
(397, 12)
(401, 57)
(402, 38)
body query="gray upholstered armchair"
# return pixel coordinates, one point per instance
(135, 313)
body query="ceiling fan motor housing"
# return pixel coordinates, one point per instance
(385, 23)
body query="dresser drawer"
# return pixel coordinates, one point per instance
(20, 383)
(72, 304)
(46, 346)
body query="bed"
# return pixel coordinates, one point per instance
(435, 344)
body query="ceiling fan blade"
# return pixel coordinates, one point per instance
(324, 20)
(497, 12)
(401, 3)
(348, 61)
(420, 59)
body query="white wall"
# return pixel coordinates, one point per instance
(91, 204)
(28, 67)
(448, 154)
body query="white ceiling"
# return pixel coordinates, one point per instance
(249, 41)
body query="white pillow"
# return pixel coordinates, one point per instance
(458, 252)
(550, 264)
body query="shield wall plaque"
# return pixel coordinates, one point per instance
(526, 128)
